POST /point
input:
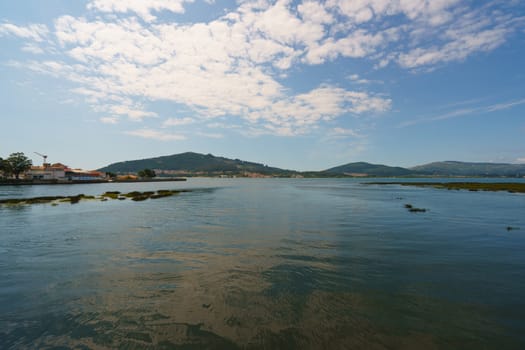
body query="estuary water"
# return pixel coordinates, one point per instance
(263, 264)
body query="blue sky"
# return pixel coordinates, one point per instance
(304, 85)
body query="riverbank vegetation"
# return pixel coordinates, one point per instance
(512, 187)
(14, 165)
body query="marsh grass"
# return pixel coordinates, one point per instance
(512, 187)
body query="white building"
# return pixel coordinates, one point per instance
(61, 173)
(55, 171)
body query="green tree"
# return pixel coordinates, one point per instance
(147, 173)
(17, 163)
(1, 167)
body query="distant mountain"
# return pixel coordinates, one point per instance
(453, 168)
(367, 169)
(190, 163)
(193, 163)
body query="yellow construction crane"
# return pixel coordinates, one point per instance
(43, 156)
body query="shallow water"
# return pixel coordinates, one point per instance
(264, 263)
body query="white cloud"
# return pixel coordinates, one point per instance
(357, 44)
(155, 135)
(355, 78)
(466, 111)
(360, 11)
(132, 112)
(36, 32)
(143, 8)
(314, 12)
(177, 121)
(344, 132)
(449, 115)
(455, 50)
(232, 66)
(32, 48)
(67, 101)
(520, 160)
(203, 66)
(126, 40)
(472, 31)
(109, 120)
(298, 114)
(437, 32)
(505, 105)
(280, 24)
(210, 135)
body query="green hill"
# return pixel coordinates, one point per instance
(453, 168)
(190, 163)
(194, 163)
(367, 169)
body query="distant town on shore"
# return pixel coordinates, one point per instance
(18, 168)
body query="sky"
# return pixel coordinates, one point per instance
(304, 85)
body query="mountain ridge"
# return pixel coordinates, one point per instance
(368, 169)
(457, 168)
(192, 163)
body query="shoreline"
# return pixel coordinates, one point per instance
(79, 182)
(511, 187)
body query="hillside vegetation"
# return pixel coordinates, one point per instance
(195, 163)
(190, 163)
(453, 168)
(363, 168)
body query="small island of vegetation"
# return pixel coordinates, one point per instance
(114, 195)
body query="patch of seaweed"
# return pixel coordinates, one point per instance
(76, 199)
(34, 200)
(164, 193)
(139, 198)
(111, 194)
(413, 209)
(134, 195)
